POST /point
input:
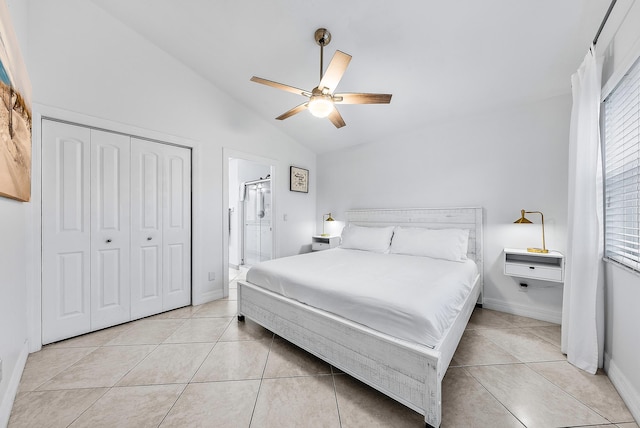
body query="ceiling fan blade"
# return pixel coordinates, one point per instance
(351, 98)
(336, 69)
(295, 110)
(280, 86)
(336, 118)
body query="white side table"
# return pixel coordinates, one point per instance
(542, 266)
(319, 243)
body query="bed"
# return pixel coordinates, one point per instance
(408, 368)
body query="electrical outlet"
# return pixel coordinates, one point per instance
(212, 276)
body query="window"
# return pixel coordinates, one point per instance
(621, 138)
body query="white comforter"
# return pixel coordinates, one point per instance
(408, 297)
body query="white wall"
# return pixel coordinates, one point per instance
(13, 298)
(14, 245)
(83, 60)
(503, 161)
(620, 45)
(622, 348)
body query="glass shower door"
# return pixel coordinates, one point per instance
(257, 222)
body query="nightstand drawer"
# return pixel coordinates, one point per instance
(319, 246)
(542, 266)
(319, 242)
(534, 271)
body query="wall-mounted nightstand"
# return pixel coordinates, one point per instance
(319, 243)
(542, 266)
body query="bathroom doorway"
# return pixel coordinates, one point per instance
(250, 212)
(256, 229)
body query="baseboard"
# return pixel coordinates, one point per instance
(629, 394)
(12, 387)
(207, 297)
(522, 310)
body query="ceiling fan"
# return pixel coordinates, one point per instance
(322, 98)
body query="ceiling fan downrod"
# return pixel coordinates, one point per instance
(323, 37)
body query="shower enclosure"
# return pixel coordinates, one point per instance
(256, 221)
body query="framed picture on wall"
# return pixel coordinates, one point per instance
(299, 180)
(15, 115)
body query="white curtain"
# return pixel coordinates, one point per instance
(583, 301)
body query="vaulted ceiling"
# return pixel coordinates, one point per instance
(440, 60)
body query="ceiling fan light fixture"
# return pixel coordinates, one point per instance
(322, 99)
(320, 105)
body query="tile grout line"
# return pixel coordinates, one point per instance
(500, 347)
(494, 397)
(530, 329)
(335, 394)
(66, 368)
(507, 364)
(514, 356)
(597, 412)
(90, 405)
(194, 373)
(264, 369)
(108, 389)
(181, 392)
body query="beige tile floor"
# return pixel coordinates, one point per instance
(198, 367)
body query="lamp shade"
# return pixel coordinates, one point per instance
(329, 218)
(522, 219)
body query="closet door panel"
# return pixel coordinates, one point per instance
(66, 309)
(177, 228)
(146, 228)
(110, 231)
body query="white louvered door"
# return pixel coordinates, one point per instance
(110, 236)
(66, 233)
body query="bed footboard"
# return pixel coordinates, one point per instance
(404, 371)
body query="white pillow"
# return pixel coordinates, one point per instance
(375, 239)
(447, 244)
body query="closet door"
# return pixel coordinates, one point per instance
(110, 235)
(146, 227)
(66, 245)
(176, 228)
(160, 227)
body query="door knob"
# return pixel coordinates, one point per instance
(108, 241)
(149, 238)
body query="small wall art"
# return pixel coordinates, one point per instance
(15, 115)
(299, 181)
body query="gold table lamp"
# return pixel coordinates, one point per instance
(523, 220)
(329, 218)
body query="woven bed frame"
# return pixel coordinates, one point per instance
(407, 372)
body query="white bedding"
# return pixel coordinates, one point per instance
(408, 297)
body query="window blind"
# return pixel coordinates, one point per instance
(621, 134)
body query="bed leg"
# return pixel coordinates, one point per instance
(240, 318)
